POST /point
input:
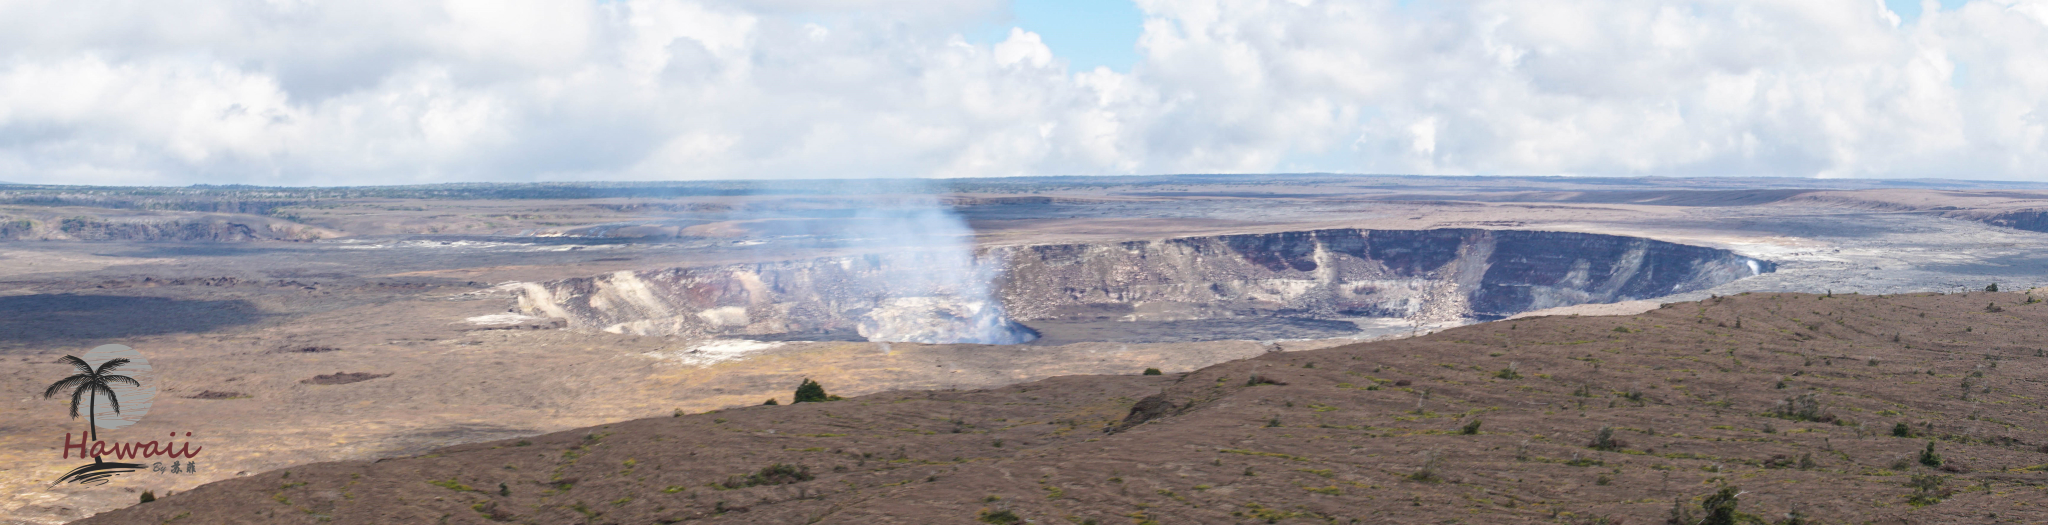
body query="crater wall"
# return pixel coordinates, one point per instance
(1422, 275)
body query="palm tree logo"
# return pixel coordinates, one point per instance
(89, 384)
(123, 374)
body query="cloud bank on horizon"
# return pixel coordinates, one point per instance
(294, 92)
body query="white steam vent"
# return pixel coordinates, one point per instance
(949, 299)
(942, 320)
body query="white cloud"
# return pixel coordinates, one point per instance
(381, 91)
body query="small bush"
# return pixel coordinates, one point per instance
(1779, 461)
(1929, 457)
(1512, 372)
(1431, 462)
(1153, 372)
(1682, 514)
(1927, 489)
(770, 402)
(1901, 430)
(999, 517)
(1257, 380)
(1721, 508)
(1603, 439)
(811, 392)
(148, 496)
(1902, 463)
(1992, 288)
(1470, 428)
(1803, 407)
(773, 474)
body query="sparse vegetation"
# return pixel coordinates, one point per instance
(1152, 372)
(1714, 406)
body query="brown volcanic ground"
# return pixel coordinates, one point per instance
(1339, 436)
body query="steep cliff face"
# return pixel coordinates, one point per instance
(152, 228)
(1428, 275)
(2030, 220)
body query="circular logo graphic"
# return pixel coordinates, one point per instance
(134, 400)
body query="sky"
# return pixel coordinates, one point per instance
(1086, 33)
(299, 92)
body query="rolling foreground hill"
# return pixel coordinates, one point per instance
(1816, 409)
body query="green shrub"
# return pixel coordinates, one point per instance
(1721, 508)
(773, 474)
(1152, 372)
(1927, 489)
(1803, 407)
(1431, 462)
(999, 517)
(148, 496)
(770, 402)
(1603, 439)
(1929, 457)
(812, 392)
(1901, 430)
(1470, 428)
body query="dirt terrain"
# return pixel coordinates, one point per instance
(1815, 406)
(295, 326)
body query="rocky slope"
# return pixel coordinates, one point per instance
(1818, 407)
(114, 225)
(1427, 275)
